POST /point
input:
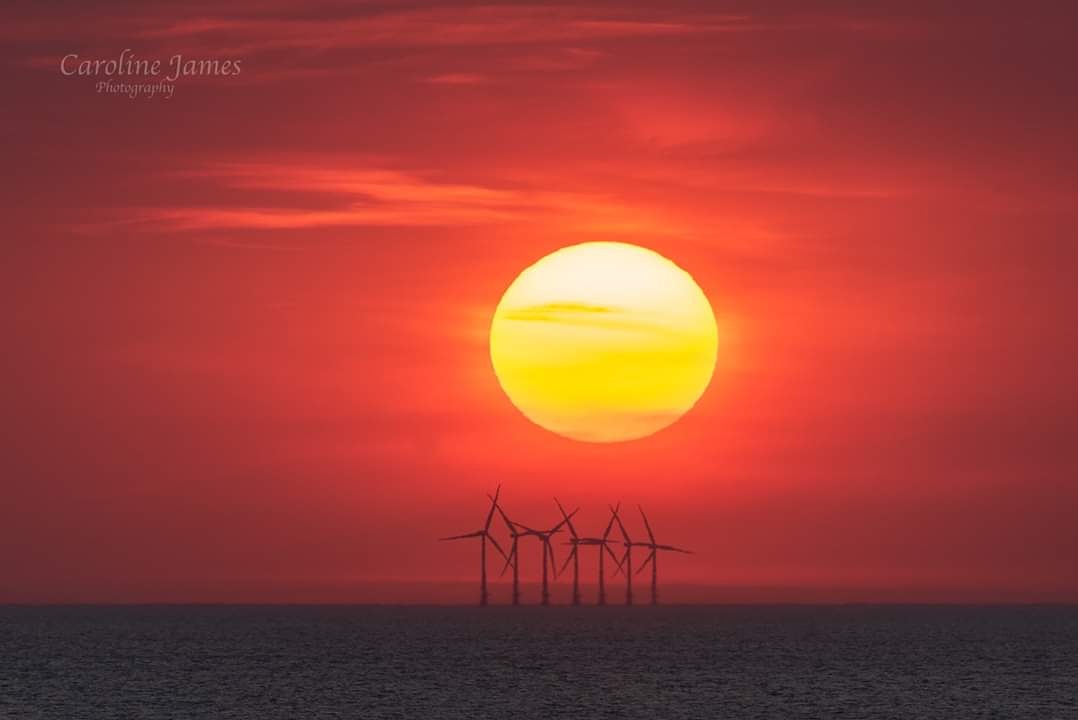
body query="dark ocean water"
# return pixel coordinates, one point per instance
(615, 662)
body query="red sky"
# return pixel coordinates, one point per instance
(245, 327)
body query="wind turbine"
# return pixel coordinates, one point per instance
(573, 557)
(603, 543)
(512, 558)
(626, 565)
(519, 530)
(653, 558)
(484, 535)
(548, 551)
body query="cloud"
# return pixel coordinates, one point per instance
(456, 26)
(543, 311)
(456, 79)
(295, 25)
(317, 196)
(594, 316)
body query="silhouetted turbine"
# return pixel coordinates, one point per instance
(512, 558)
(573, 557)
(603, 543)
(653, 557)
(548, 551)
(485, 535)
(626, 565)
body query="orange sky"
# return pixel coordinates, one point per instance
(246, 326)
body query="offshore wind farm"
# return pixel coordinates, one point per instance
(549, 569)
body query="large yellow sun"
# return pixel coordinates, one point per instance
(604, 342)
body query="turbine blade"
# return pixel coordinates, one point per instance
(572, 530)
(509, 559)
(624, 533)
(610, 525)
(649, 558)
(461, 537)
(612, 555)
(651, 535)
(493, 504)
(621, 562)
(622, 565)
(675, 549)
(550, 557)
(568, 519)
(569, 558)
(497, 546)
(508, 523)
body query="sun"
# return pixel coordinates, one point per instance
(604, 342)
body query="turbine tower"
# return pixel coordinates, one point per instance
(603, 543)
(512, 559)
(517, 530)
(626, 564)
(653, 557)
(548, 552)
(573, 557)
(484, 535)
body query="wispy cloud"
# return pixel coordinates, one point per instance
(324, 26)
(456, 79)
(294, 195)
(596, 316)
(454, 26)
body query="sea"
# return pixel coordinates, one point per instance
(659, 663)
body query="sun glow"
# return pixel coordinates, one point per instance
(604, 342)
